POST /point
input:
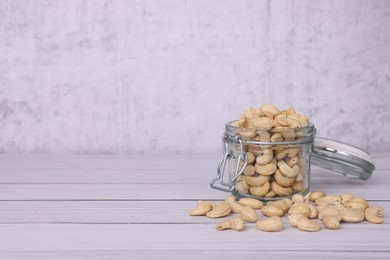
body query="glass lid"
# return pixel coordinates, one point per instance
(342, 158)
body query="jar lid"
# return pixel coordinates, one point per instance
(343, 158)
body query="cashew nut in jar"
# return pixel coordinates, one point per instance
(277, 168)
(283, 180)
(281, 191)
(260, 191)
(286, 170)
(268, 169)
(257, 181)
(265, 158)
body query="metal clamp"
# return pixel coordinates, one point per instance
(229, 154)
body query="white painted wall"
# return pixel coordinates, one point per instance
(163, 76)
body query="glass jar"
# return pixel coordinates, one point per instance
(271, 164)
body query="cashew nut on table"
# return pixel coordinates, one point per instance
(309, 213)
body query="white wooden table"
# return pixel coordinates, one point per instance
(136, 207)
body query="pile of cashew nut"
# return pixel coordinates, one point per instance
(305, 212)
(277, 170)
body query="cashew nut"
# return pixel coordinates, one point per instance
(288, 133)
(250, 158)
(293, 219)
(257, 181)
(281, 191)
(361, 200)
(283, 180)
(313, 211)
(236, 208)
(223, 209)
(287, 171)
(291, 161)
(306, 198)
(373, 214)
(276, 138)
(316, 195)
(248, 214)
(298, 186)
(202, 208)
(305, 224)
(331, 222)
(293, 122)
(234, 223)
(300, 208)
(250, 113)
(270, 194)
(260, 191)
(269, 110)
(249, 170)
(280, 120)
(272, 210)
(250, 202)
(292, 152)
(283, 204)
(279, 155)
(242, 186)
(272, 224)
(355, 205)
(265, 169)
(298, 198)
(288, 202)
(350, 215)
(262, 122)
(264, 136)
(247, 134)
(325, 211)
(230, 199)
(265, 158)
(331, 199)
(346, 197)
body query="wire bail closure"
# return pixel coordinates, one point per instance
(229, 154)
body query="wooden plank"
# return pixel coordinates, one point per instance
(171, 237)
(121, 176)
(119, 212)
(146, 176)
(187, 191)
(127, 162)
(110, 162)
(120, 169)
(226, 254)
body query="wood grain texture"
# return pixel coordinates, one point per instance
(111, 212)
(204, 236)
(121, 207)
(189, 254)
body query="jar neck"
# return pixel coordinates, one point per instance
(290, 136)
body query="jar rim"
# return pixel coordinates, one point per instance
(308, 138)
(230, 125)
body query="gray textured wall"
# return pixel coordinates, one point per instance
(164, 76)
